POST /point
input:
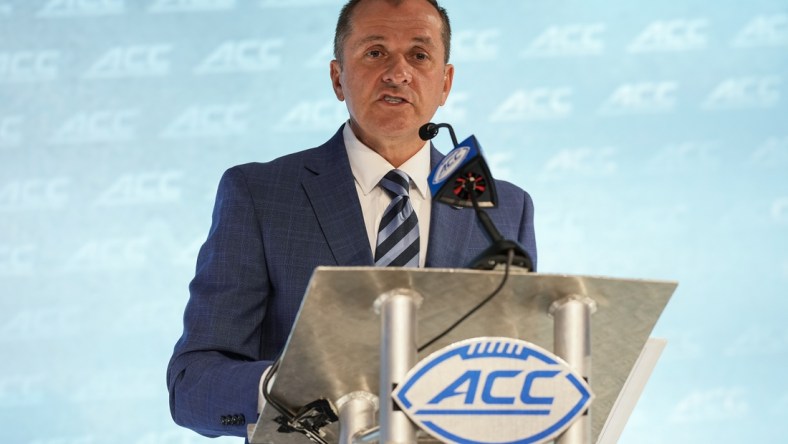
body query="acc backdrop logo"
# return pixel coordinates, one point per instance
(493, 390)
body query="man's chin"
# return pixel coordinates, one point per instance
(395, 125)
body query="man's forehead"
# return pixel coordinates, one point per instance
(423, 19)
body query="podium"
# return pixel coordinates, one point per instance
(334, 347)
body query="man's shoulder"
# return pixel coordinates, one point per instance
(509, 192)
(287, 161)
(330, 151)
(508, 186)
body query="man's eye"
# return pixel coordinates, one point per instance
(375, 53)
(421, 56)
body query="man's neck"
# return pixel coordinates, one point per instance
(395, 150)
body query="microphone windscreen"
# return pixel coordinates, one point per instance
(428, 131)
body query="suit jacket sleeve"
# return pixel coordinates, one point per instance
(215, 368)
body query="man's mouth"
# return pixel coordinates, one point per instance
(393, 100)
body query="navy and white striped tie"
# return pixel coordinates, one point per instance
(398, 235)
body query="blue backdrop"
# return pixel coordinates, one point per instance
(653, 137)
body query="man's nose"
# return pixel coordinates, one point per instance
(398, 71)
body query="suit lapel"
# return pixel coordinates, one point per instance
(334, 199)
(450, 231)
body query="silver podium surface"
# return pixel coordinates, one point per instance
(334, 346)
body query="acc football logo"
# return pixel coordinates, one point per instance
(450, 163)
(493, 390)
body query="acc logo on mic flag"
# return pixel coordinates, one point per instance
(493, 390)
(450, 163)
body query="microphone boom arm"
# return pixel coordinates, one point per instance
(501, 250)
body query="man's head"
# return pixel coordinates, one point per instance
(345, 18)
(391, 71)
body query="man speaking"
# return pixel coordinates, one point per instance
(360, 199)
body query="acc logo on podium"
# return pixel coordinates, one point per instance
(493, 390)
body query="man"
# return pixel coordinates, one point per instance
(274, 223)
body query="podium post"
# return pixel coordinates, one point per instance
(357, 413)
(572, 342)
(397, 309)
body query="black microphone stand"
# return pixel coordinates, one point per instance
(498, 252)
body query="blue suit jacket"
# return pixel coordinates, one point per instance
(273, 223)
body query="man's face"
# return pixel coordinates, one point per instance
(393, 76)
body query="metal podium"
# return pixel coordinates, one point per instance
(334, 348)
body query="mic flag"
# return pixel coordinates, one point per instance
(463, 165)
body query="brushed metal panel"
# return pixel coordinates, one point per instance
(333, 348)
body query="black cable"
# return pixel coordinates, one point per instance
(269, 398)
(470, 188)
(510, 257)
(288, 414)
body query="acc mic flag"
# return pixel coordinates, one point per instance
(461, 171)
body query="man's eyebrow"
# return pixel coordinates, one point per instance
(425, 40)
(371, 38)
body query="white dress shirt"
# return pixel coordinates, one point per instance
(369, 168)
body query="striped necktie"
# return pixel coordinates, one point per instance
(398, 234)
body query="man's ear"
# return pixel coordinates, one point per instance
(448, 78)
(336, 83)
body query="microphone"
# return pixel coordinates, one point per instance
(430, 130)
(463, 179)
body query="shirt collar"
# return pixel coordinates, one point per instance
(369, 167)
